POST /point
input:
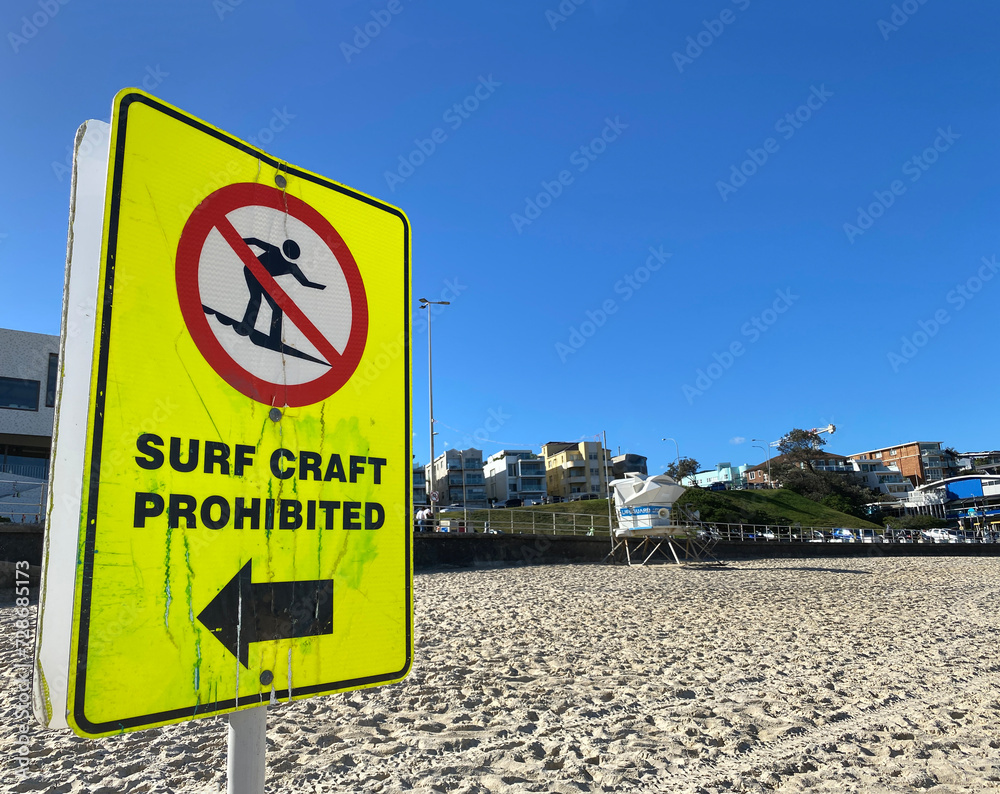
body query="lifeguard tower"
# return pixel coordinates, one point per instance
(649, 519)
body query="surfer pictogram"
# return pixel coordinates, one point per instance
(276, 264)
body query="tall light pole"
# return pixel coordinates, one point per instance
(676, 447)
(426, 304)
(767, 451)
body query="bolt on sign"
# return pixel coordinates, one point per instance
(230, 515)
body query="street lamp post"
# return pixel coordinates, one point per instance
(676, 447)
(426, 304)
(767, 451)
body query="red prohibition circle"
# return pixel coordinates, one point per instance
(211, 213)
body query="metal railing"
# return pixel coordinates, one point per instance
(23, 501)
(32, 470)
(517, 522)
(544, 522)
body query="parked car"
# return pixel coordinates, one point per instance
(810, 536)
(842, 535)
(551, 500)
(938, 535)
(762, 534)
(870, 536)
(580, 497)
(509, 503)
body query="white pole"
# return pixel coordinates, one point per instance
(430, 403)
(247, 748)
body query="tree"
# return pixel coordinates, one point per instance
(798, 445)
(838, 491)
(684, 467)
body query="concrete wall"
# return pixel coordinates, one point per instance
(484, 551)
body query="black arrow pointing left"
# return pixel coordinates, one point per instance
(244, 612)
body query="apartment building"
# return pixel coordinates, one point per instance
(458, 478)
(988, 461)
(724, 475)
(419, 485)
(628, 463)
(921, 462)
(576, 467)
(29, 369)
(873, 473)
(515, 474)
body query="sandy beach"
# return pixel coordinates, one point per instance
(866, 675)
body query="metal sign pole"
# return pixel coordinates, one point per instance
(247, 747)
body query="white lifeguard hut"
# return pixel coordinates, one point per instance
(648, 517)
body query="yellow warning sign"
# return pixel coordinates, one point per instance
(246, 504)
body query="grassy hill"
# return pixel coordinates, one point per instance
(775, 507)
(778, 506)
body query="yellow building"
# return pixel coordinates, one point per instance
(576, 467)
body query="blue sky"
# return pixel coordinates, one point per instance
(713, 221)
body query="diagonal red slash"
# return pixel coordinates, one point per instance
(266, 280)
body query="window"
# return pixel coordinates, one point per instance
(19, 394)
(512, 470)
(50, 384)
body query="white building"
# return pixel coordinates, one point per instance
(458, 478)
(29, 368)
(515, 474)
(724, 475)
(876, 475)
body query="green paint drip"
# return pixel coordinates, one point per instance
(190, 579)
(270, 495)
(188, 592)
(166, 579)
(197, 669)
